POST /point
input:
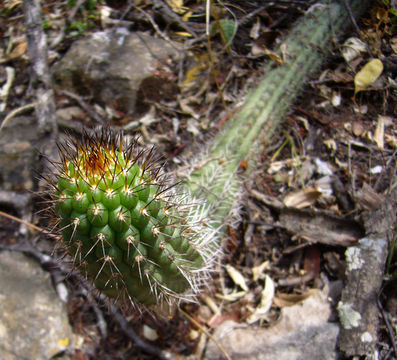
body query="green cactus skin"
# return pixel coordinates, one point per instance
(124, 227)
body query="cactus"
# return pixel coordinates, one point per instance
(244, 135)
(133, 234)
(125, 227)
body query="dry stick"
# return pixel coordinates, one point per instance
(389, 327)
(129, 331)
(205, 331)
(27, 223)
(171, 16)
(69, 20)
(211, 56)
(41, 77)
(355, 25)
(84, 105)
(16, 112)
(156, 27)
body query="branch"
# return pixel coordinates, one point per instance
(40, 77)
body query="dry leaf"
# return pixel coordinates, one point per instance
(18, 50)
(187, 16)
(237, 277)
(274, 56)
(393, 44)
(368, 75)
(194, 73)
(149, 333)
(379, 134)
(183, 33)
(177, 6)
(254, 32)
(282, 299)
(257, 271)
(330, 144)
(267, 296)
(391, 140)
(232, 296)
(302, 198)
(352, 48)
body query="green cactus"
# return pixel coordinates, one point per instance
(123, 225)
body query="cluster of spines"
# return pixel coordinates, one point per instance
(125, 228)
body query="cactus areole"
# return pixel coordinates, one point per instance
(126, 229)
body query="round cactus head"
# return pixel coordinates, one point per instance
(124, 225)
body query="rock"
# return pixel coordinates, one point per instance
(19, 153)
(303, 333)
(358, 308)
(33, 321)
(110, 66)
(69, 113)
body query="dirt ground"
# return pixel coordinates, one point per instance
(333, 155)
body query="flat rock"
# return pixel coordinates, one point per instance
(33, 321)
(110, 66)
(303, 333)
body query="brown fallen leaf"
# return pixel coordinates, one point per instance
(18, 51)
(302, 198)
(283, 299)
(379, 135)
(368, 198)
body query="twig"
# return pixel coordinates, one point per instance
(41, 76)
(390, 330)
(211, 58)
(129, 331)
(267, 200)
(16, 112)
(69, 19)
(101, 322)
(296, 280)
(5, 90)
(156, 28)
(247, 18)
(28, 224)
(355, 25)
(206, 332)
(171, 16)
(84, 105)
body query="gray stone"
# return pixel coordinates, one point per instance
(111, 65)
(303, 333)
(20, 146)
(358, 308)
(33, 321)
